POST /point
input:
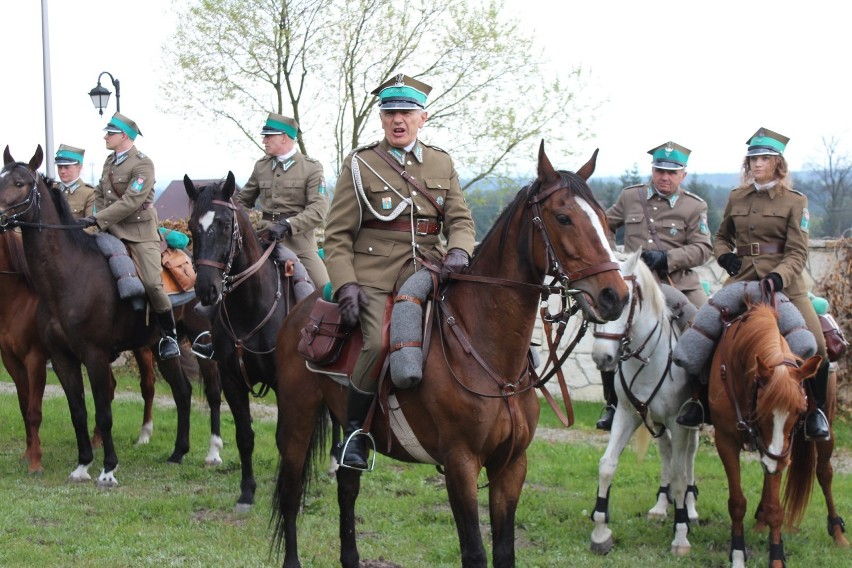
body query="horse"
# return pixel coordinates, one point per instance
(474, 408)
(236, 275)
(757, 402)
(88, 324)
(651, 391)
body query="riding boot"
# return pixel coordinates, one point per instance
(608, 382)
(202, 346)
(168, 347)
(816, 423)
(355, 444)
(691, 415)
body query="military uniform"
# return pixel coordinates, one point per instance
(293, 189)
(680, 220)
(369, 233)
(775, 219)
(80, 197)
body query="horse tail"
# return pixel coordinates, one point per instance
(317, 450)
(800, 480)
(641, 440)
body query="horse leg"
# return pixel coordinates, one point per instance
(97, 439)
(213, 392)
(623, 426)
(461, 472)
(36, 366)
(774, 514)
(348, 487)
(29, 403)
(504, 492)
(728, 450)
(145, 361)
(679, 458)
(182, 393)
(237, 397)
(825, 475)
(70, 376)
(336, 433)
(691, 487)
(664, 498)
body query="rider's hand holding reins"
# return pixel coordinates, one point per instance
(456, 260)
(731, 263)
(657, 260)
(279, 230)
(350, 298)
(85, 222)
(777, 281)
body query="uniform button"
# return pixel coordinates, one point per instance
(369, 249)
(439, 186)
(650, 240)
(408, 163)
(651, 220)
(386, 188)
(419, 208)
(413, 193)
(655, 207)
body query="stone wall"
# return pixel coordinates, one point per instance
(584, 379)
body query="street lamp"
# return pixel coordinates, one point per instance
(100, 94)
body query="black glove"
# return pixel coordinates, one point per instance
(87, 221)
(350, 298)
(731, 263)
(657, 260)
(777, 282)
(279, 230)
(456, 260)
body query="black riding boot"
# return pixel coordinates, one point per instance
(202, 346)
(608, 382)
(168, 347)
(355, 442)
(816, 423)
(691, 415)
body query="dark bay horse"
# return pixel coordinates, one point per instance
(757, 403)
(80, 317)
(471, 410)
(236, 275)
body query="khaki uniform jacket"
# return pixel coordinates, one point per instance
(296, 190)
(375, 257)
(681, 228)
(124, 203)
(775, 215)
(81, 199)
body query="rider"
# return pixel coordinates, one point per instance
(764, 236)
(670, 225)
(124, 207)
(79, 194)
(378, 227)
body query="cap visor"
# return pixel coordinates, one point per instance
(400, 105)
(268, 132)
(762, 152)
(664, 165)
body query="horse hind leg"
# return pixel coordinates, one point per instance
(182, 394)
(145, 361)
(825, 475)
(71, 378)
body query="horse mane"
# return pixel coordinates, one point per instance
(16, 258)
(651, 291)
(81, 238)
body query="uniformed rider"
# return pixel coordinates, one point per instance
(79, 194)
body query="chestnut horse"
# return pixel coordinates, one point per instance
(88, 328)
(757, 402)
(476, 405)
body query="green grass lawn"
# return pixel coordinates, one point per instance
(166, 515)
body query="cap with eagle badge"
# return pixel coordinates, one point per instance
(670, 156)
(401, 92)
(280, 124)
(69, 155)
(764, 142)
(120, 123)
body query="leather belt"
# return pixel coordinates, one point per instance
(757, 249)
(274, 217)
(421, 226)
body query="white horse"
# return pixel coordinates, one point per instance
(651, 391)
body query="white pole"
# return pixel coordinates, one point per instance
(48, 98)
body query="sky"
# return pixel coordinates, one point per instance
(704, 74)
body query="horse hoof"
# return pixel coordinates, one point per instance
(107, 480)
(80, 475)
(212, 461)
(145, 434)
(602, 548)
(681, 550)
(37, 471)
(175, 458)
(656, 516)
(243, 508)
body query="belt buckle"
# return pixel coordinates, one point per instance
(421, 227)
(274, 217)
(754, 249)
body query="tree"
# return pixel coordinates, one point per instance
(318, 60)
(829, 190)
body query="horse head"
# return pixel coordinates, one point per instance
(213, 224)
(18, 188)
(574, 230)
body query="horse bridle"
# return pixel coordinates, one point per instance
(30, 202)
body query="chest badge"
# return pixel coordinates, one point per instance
(387, 203)
(673, 231)
(440, 201)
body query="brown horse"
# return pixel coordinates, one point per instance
(757, 403)
(474, 408)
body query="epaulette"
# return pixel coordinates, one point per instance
(141, 155)
(435, 147)
(694, 196)
(635, 185)
(309, 159)
(365, 146)
(797, 191)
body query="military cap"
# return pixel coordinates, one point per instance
(401, 92)
(120, 123)
(669, 156)
(69, 155)
(764, 142)
(280, 124)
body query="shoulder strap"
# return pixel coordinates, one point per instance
(643, 199)
(407, 177)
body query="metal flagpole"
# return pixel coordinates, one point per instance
(48, 97)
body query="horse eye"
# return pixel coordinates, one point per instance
(563, 219)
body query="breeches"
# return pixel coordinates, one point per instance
(150, 267)
(365, 375)
(696, 297)
(803, 303)
(315, 267)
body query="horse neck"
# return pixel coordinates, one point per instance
(650, 321)
(261, 285)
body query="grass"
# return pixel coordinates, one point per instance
(165, 515)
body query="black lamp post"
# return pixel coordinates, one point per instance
(100, 94)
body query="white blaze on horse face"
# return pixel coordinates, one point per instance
(776, 446)
(206, 221)
(596, 223)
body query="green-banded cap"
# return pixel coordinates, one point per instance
(120, 123)
(401, 92)
(69, 155)
(764, 142)
(670, 156)
(280, 124)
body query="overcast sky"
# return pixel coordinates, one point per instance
(704, 74)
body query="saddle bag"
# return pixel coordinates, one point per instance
(835, 343)
(323, 338)
(177, 270)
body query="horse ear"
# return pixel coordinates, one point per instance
(35, 161)
(230, 184)
(191, 191)
(589, 167)
(764, 371)
(545, 168)
(7, 156)
(810, 367)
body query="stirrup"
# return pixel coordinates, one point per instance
(371, 463)
(164, 348)
(203, 350)
(808, 436)
(684, 411)
(605, 421)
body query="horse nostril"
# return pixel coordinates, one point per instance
(610, 304)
